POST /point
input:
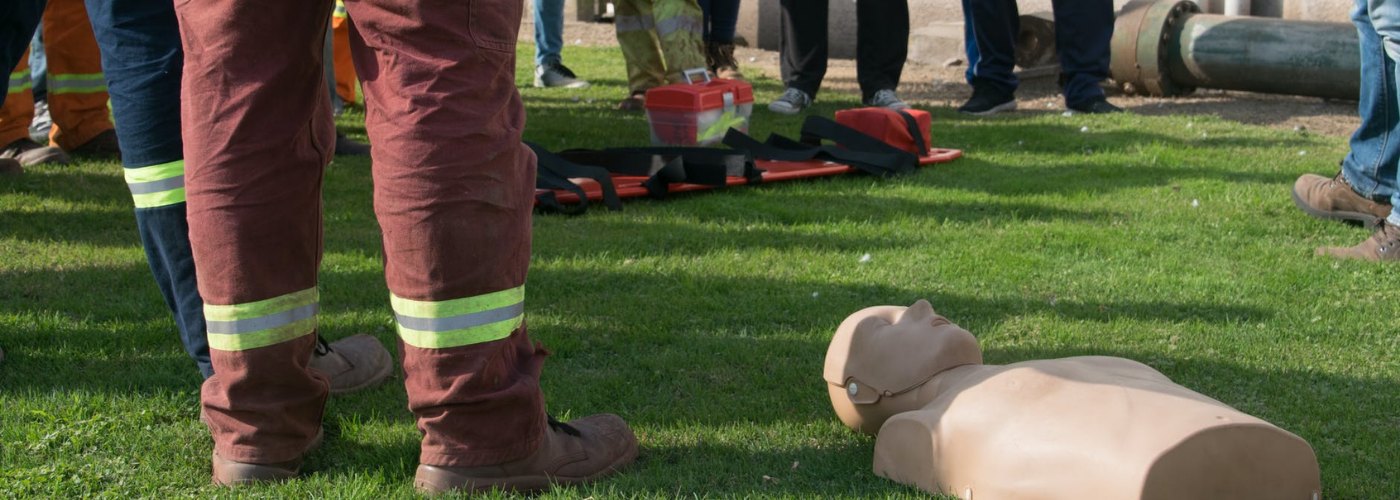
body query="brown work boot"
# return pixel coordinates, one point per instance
(636, 101)
(577, 452)
(1382, 246)
(230, 473)
(353, 363)
(10, 166)
(720, 57)
(29, 153)
(1334, 199)
(103, 144)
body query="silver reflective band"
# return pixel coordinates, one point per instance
(156, 186)
(78, 83)
(463, 321)
(16, 83)
(263, 323)
(675, 24)
(634, 23)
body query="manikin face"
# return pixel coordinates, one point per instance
(882, 356)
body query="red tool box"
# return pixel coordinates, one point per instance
(698, 113)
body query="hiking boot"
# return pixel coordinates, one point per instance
(885, 99)
(636, 101)
(1096, 106)
(10, 166)
(555, 74)
(720, 59)
(30, 153)
(345, 146)
(577, 452)
(230, 473)
(987, 100)
(792, 102)
(1334, 199)
(353, 363)
(103, 144)
(1384, 246)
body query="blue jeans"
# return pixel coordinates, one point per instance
(1371, 166)
(1083, 29)
(38, 67)
(18, 20)
(143, 61)
(549, 31)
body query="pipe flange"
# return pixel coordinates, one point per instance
(1141, 37)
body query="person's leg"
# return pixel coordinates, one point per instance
(328, 55)
(143, 62)
(969, 42)
(38, 67)
(882, 44)
(722, 18)
(993, 25)
(679, 29)
(258, 134)
(77, 87)
(1375, 146)
(549, 31)
(636, 33)
(17, 108)
(18, 20)
(804, 45)
(345, 79)
(1083, 29)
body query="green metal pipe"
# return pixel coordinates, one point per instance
(1167, 48)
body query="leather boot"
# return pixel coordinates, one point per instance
(1384, 246)
(1334, 199)
(577, 452)
(28, 153)
(230, 473)
(720, 57)
(353, 363)
(10, 166)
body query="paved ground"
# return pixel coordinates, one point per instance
(940, 86)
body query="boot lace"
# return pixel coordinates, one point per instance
(560, 426)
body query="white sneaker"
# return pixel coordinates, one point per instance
(792, 102)
(555, 74)
(886, 99)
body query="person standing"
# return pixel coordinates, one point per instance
(659, 39)
(1083, 29)
(1367, 188)
(454, 191)
(550, 70)
(721, 18)
(882, 44)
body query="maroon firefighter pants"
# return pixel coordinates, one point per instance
(453, 189)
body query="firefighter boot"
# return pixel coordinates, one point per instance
(586, 449)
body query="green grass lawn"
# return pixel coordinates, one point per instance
(703, 319)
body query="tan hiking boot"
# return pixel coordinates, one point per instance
(10, 167)
(1334, 199)
(230, 473)
(353, 363)
(29, 153)
(577, 452)
(1384, 246)
(720, 57)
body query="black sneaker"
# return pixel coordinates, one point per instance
(987, 100)
(1096, 106)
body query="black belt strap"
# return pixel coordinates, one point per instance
(663, 166)
(914, 130)
(864, 153)
(554, 172)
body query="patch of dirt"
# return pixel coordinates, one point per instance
(945, 87)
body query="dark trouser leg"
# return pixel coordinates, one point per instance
(882, 44)
(143, 62)
(258, 135)
(454, 190)
(1083, 29)
(994, 24)
(18, 20)
(804, 44)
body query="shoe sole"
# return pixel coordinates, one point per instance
(1364, 219)
(539, 84)
(55, 156)
(1005, 106)
(785, 111)
(524, 484)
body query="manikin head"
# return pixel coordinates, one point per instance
(882, 358)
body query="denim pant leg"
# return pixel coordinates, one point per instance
(38, 67)
(18, 20)
(143, 61)
(991, 27)
(549, 31)
(1375, 146)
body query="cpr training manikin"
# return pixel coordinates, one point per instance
(1088, 427)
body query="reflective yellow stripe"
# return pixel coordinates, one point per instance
(20, 81)
(138, 177)
(339, 10)
(459, 322)
(84, 83)
(240, 327)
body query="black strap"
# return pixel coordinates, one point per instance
(864, 153)
(663, 166)
(914, 130)
(553, 172)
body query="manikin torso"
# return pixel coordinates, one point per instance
(1097, 428)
